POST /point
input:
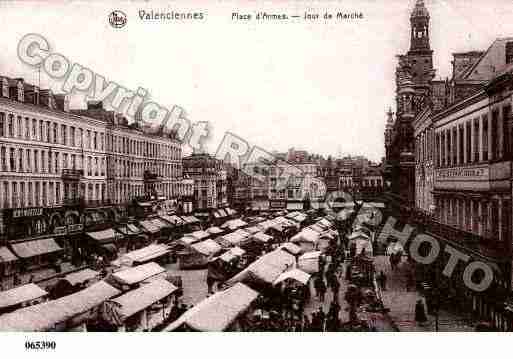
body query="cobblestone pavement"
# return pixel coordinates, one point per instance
(194, 283)
(401, 303)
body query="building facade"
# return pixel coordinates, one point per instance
(67, 161)
(209, 176)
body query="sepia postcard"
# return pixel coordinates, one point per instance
(255, 166)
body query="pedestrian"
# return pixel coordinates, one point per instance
(321, 290)
(31, 279)
(306, 323)
(322, 319)
(420, 312)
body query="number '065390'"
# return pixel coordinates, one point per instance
(40, 345)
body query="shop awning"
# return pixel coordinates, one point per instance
(35, 248)
(6, 255)
(81, 276)
(20, 295)
(149, 227)
(218, 312)
(106, 236)
(137, 274)
(43, 317)
(138, 299)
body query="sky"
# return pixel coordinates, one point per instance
(322, 86)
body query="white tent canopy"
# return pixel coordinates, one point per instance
(296, 274)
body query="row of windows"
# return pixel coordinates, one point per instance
(51, 132)
(19, 194)
(488, 138)
(46, 161)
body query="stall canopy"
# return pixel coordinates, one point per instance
(175, 220)
(295, 274)
(265, 269)
(294, 205)
(316, 228)
(234, 224)
(252, 230)
(128, 230)
(233, 253)
(300, 218)
(291, 215)
(106, 236)
(145, 254)
(207, 247)
(161, 224)
(137, 274)
(45, 316)
(306, 236)
(6, 256)
(222, 213)
(81, 276)
(218, 312)
(199, 235)
(231, 212)
(235, 238)
(358, 235)
(214, 230)
(188, 239)
(324, 222)
(35, 248)
(117, 310)
(291, 248)
(262, 237)
(149, 227)
(20, 295)
(190, 219)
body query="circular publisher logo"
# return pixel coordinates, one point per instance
(117, 19)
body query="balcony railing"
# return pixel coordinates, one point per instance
(72, 174)
(484, 246)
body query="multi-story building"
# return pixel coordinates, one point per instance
(56, 164)
(209, 177)
(463, 170)
(281, 185)
(414, 74)
(186, 196)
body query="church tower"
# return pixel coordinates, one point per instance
(420, 55)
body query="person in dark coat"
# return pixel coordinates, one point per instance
(420, 312)
(320, 288)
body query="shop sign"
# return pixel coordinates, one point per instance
(75, 227)
(27, 212)
(278, 204)
(60, 230)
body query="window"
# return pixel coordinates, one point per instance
(65, 160)
(88, 139)
(3, 159)
(476, 140)
(27, 158)
(30, 194)
(20, 160)
(64, 135)
(55, 136)
(36, 161)
(57, 192)
(11, 160)
(34, 129)
(48, 138)
(72, 136)
(95, 141)
(27, 128)
(485, 138)
(40, 130)
(10, 126)
(96, 166)
(509, 52)
(507, 131)
(2, 124)
(56, 158)
(20, 130)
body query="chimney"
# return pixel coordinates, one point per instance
(31, 94)
(62, 102)
(47, 99)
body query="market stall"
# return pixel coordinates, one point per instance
(74, 312)
(307, 239)
(141, 309)
(223, 311)
(309, 262)
(198, 254)
(22, 296)
(133, 277)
